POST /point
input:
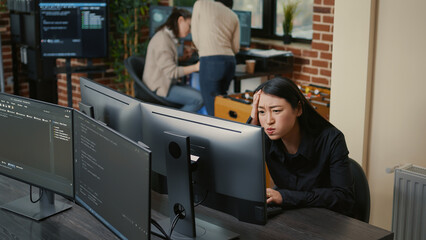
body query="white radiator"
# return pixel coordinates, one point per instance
(409, 203)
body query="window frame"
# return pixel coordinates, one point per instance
(269, 24)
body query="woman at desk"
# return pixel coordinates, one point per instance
(161, 70)
(306, 155)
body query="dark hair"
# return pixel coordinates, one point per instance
(228, 3)
(310, 120)
(172, 22)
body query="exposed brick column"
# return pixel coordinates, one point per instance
(107, 78)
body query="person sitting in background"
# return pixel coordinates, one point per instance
(216, 35)
(306, 155)
(161, 70)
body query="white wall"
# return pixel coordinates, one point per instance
(351, 73)
(394, 131)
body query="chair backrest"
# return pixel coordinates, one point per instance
(135, 67)
(361, 191)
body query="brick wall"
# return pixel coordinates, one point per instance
(107, 78)
(313, 65)
(7, 56)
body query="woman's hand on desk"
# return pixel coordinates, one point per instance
(273, 196)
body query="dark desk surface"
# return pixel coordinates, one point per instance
(73, 224)
(76, 223)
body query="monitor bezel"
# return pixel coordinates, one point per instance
(105, 37)
(40, 186)
(89, 209)
(87, 85)
(231, 194)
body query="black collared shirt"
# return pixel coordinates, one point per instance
(318, 175)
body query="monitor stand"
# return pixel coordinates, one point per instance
(204, 231)
(179, 183)
(45, 207)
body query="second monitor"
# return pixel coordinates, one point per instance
(159, 14)
(77, 29)
(112, 178)
(230, 173)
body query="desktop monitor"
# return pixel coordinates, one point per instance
(36, 147)
(229, 174)
(159, 14)
(119, 111)
(112, 178)
(245, 27)
(74, 29)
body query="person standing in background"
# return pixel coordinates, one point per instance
(216, 34)
(161, 70)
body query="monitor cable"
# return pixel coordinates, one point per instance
(31, 194)
(202, 200)
(178, 216)
(158, 226)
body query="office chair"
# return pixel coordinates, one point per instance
(135, 67)
(361, 192)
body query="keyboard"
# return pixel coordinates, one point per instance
(273, 210)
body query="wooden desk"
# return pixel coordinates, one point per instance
(77, 223)
(298, 224)
(73, 224)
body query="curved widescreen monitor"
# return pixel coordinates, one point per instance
(112, 178)
(74, 29)
(36, 148)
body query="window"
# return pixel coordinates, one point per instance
(267, 17)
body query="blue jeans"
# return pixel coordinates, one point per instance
(189, 97)
(216, 73)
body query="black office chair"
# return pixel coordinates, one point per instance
(361, 191)
(135, 66)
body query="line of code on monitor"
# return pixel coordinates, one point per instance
(73, 29)
(38, 137)
(112, 176)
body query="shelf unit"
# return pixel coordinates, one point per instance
(28, 65)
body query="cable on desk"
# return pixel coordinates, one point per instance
(159, 235)
(202, 200)
(158, 226)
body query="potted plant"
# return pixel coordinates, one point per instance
(289, 10)
(129, 17)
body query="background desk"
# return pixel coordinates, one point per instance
(77, 223)
(238, 76)
(265, 66)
